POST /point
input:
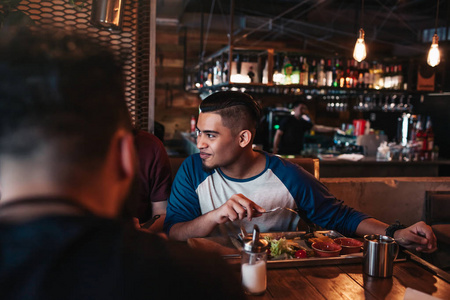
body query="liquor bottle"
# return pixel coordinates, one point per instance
(347, 82)
(295, 77)
(329, 73)
(429, 134)
(193, 123)
(313, 74)
(387, 78)
(304, 71)
(400, 77)
(366, 76)
(287, 70)
(278, 76)
(321, 78)
(338, 73)
(420, 138)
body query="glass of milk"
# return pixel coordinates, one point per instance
(254, 264)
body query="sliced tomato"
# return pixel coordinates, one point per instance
(300, 254)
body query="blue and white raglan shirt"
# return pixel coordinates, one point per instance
(282, 183)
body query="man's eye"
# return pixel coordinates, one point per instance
(210, 136)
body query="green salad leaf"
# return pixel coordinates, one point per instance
(280, 247)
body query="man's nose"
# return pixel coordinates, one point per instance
(200, 143)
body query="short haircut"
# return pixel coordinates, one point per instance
(297, 103)
(238, 110)
(59, 90)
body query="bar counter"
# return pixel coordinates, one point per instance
(338, 168)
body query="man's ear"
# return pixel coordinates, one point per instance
(245, 137)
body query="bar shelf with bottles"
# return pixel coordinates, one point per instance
(269, 71)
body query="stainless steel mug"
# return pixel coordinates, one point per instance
(379, 254)
(107, 14)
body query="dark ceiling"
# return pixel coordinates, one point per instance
(393, 28)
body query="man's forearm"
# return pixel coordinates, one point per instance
(371, 226)
(199, 227)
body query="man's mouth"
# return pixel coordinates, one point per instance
(204, 155)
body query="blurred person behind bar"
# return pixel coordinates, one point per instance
(67, 160)
(289, 137)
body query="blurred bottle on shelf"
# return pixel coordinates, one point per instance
(304, 71)
(295, 77)
(321, 77)
(329, 73)
(287, 70)
(429, 134)
(313, 74)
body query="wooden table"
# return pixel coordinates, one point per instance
(349, 282)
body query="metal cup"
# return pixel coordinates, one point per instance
(379, 254)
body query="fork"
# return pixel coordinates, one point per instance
(278, 208)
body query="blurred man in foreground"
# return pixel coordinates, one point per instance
(66, 163)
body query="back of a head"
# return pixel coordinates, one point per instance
(238, 110)
(59, 93)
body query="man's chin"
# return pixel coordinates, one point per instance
(207, 169)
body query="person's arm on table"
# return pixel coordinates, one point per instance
(158, 208)
(237, 207)
(419, 236)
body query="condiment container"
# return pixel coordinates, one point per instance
(254, 264)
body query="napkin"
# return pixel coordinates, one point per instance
(352, 157)
(412, 294)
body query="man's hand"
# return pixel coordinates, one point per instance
(419, 237)
(237, 208)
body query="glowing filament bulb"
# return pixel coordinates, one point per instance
(360, 53)
(434, 56)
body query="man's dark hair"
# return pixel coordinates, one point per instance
(297, 103)
(62, 90)
(238, 110)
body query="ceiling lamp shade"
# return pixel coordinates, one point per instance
(360, 52)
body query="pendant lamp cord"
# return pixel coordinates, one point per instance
(362, 11)
(436, 21)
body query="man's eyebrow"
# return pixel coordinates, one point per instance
(208, 131)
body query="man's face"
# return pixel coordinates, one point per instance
(300, 110)
(218, 146)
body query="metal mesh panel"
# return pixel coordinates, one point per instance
(63, 15)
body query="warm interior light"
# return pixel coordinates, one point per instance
(360, 52)
(434, 56)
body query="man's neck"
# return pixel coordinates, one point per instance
(248, 165)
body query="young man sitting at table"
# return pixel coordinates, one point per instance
(228, 184)
(67, 159)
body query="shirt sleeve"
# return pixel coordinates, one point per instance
(325, 210)
(320, 206)
(183, 203)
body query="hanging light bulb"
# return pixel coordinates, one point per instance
(360, 52)
(434, 56)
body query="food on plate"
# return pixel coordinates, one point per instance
(326, 249)
(318, 237)
(349, 245)
(287, 246)
(301, 254)
(283, 248)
